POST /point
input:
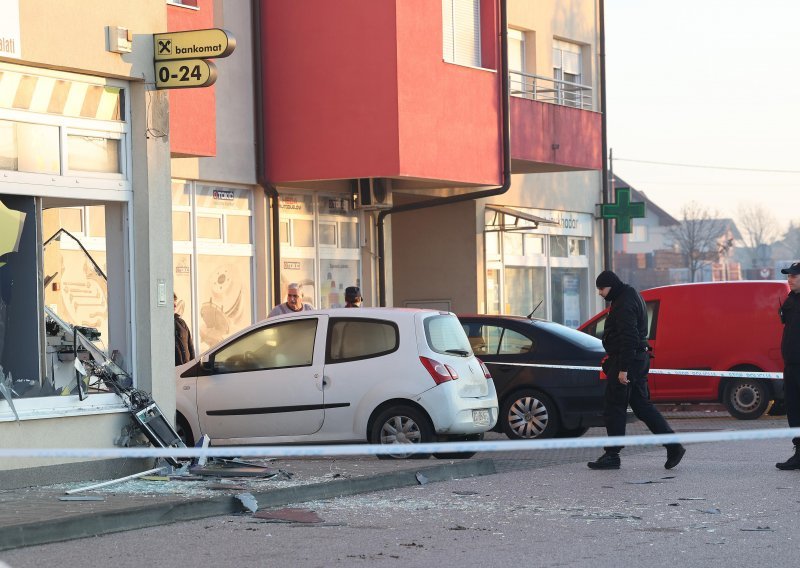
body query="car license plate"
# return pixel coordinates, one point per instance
(480, 417)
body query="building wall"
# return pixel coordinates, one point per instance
(436, 264)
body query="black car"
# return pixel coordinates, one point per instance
(539, 402)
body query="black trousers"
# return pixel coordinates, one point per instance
(791, 389)
(637, 395)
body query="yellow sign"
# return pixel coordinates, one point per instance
(185, 74)
(11, 222)
(194, 43)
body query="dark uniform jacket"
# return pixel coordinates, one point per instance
(184, 349)
(625, 334)
(790, 316)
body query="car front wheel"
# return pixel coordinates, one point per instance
(746, 399)
(529, 414)
(401, 426)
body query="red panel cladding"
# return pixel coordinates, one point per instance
(551, 137)
(450, 124)
(330, 89)
(192, 112)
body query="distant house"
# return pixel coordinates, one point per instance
(649, 257)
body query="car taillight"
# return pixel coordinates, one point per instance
(486, 372)
(603, 375)
(440, 372)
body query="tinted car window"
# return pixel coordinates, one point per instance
(514, 343)
(359, 339)
(287, 344)
(444, 333)
(484, 339)
(568, 334)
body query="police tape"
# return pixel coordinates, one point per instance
(443, 448)
(682, 372)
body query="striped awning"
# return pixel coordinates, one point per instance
(22, 91)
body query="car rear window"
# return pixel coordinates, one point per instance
(571, 335)
(445, 334)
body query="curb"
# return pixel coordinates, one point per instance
(96, 524)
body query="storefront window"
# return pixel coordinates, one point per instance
(326, 266)
(213, 276)
(569, 295)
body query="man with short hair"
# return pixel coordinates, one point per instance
(184, 347)
(292, 304)
(352, 297)
(627, 364)
(790, 350)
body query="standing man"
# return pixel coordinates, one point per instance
(625, 342)
(184, 348)
(292, 303)
(352, 297)
(790, 349)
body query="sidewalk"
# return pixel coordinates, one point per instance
(38, 515)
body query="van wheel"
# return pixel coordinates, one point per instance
(401, 425)
(529, 414)
(746, 399)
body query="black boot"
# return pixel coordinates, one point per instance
(674, 455)
(793, 462)
(606, 461)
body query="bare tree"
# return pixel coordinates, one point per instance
(759, 229)
(697, 236)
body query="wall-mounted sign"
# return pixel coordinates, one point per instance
(185, 74)
(223, 194)
(193, 43)
(623, 211)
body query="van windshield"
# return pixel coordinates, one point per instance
(444, 334)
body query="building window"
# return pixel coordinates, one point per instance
(516, 62)
(461, 32)
(639, 233)
(567, 73)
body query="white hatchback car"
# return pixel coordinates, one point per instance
(380, 375)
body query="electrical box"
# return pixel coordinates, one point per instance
(120, 40)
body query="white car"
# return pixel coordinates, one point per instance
(378, 375)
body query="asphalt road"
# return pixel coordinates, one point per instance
(724, 504)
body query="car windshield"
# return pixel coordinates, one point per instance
(445, 335)
(571, 335)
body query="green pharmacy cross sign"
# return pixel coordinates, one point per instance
(622, 210)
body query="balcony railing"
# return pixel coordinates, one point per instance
(549, 90)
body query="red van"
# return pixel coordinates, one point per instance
(720, 326)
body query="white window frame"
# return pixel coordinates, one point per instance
(461, 32)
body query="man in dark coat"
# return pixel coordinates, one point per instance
(627, 364)
(184, 348)
(790, 349)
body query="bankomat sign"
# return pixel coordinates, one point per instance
(194, 43)
(181, 58)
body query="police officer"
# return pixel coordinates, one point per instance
(790, 349)
(627, 364)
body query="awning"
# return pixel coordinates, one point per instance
(499, 224)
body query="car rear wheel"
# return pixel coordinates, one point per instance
(529, 414)
(403, 426)
(746, 399)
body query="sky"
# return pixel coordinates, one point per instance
(707, 83)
